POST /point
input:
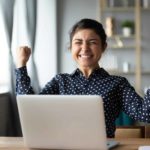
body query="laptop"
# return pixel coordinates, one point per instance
(63, 122)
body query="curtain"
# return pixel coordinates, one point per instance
(31, 23)
(36, 27)
(27, 12)
(19, 19)
(7, 10)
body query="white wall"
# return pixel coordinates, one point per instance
(68, 13)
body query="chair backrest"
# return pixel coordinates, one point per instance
(130, 132)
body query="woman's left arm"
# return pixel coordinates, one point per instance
(133, 104)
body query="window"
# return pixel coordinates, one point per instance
(4, 58)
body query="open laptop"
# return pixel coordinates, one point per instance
(63, 122)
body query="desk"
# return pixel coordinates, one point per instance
(13, 143)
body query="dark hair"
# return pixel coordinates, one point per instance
(89, 24)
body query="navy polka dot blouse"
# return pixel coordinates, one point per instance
(116, 92)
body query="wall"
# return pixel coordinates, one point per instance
(145, 52)
(69, 12)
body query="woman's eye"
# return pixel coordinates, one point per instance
(92, 42)
(78, 43)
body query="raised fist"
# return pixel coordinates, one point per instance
(23, 54)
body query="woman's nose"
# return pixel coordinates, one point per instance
(85, 46)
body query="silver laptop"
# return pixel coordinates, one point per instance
(63, 122)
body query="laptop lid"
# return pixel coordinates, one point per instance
(62, 122)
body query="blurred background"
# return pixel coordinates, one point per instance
(44, 26)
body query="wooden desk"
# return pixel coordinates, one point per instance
(13, 143)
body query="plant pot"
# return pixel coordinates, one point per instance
(127, 31)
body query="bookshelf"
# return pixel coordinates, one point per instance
(126, 49)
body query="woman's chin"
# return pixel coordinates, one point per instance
(88, 66)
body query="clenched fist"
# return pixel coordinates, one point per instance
(23, 54)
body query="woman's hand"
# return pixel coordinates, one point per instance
(23, 54)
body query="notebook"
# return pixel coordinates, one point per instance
(63, 122)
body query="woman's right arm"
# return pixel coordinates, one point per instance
(23, 84)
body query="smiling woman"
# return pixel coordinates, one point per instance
(87, 43)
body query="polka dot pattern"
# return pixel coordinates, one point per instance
(116, 92)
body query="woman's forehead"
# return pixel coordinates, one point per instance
(85, 33)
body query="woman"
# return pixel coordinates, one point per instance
(87, 44)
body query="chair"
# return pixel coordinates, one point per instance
(130, 132)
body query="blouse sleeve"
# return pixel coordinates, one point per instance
(134, 105)
(23, 83)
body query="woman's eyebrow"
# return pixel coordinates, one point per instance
(93, 39)
(77, 40)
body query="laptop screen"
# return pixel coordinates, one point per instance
(62, 122)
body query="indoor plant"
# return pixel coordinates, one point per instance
(127, 27)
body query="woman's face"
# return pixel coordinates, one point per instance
(86, 48)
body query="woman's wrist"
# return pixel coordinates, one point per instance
(20, 64)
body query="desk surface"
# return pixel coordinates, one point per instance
(13, 143)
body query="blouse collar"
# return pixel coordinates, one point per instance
(97, 71)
